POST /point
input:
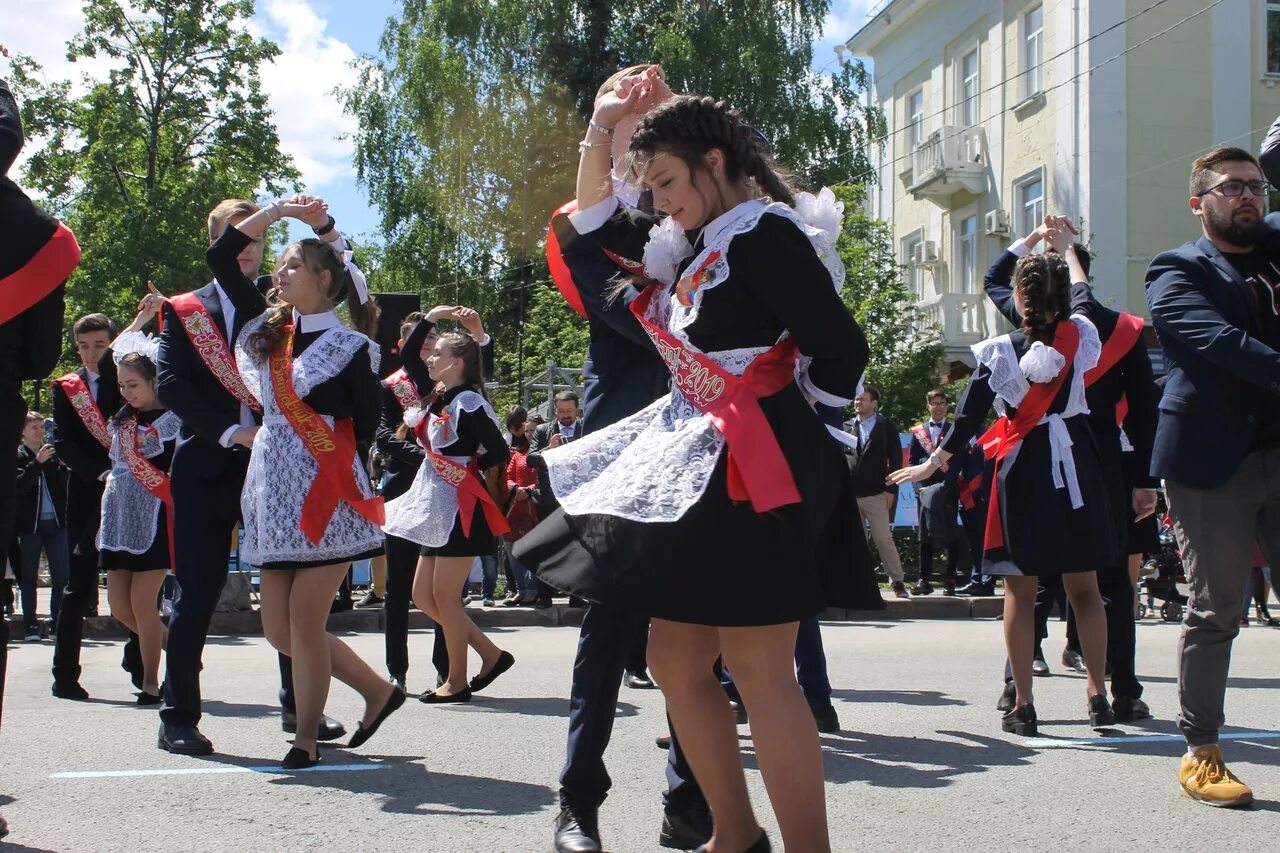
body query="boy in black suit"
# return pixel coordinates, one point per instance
(939, 487)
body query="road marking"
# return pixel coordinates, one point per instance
(209, 771)
(1103, 741)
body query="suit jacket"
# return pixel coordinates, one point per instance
(1131, 378)
(1219, 369)
(881, 456)
(75, 445)
(402, 457)
(916, 453)
(543, 496)
(190, 389)
(30, 472)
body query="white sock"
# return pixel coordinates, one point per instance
(1192, 750)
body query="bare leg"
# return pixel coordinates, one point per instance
(1091, 624)
(448, 577)
(681, 657)
(119, 583)
(310, 597)
(150, 630)
(274, 606)
(1019, 631)
(351, 670)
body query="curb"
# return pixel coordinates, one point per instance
(249, 623)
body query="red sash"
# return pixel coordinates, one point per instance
(1126, 333)
(471, 490)
(921, 434)
(333, 450)
(757, 469)
(402, 386)
(560, 271)
(1007, 434)
(969, 488)
(38, 277)
(148, 475)
(211, 346)
(82, 401)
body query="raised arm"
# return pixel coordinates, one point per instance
(411, 357)
(970, 417)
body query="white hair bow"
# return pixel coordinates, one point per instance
(131, 342)
(357, 277)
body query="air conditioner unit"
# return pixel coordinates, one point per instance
(997, 223)
(924, 254)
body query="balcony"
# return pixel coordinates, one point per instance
(951, 159)
(962, 319)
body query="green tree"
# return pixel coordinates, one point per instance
(134, 164)
(905, 352)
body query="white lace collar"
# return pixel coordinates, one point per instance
(715, 229)
(306, 323)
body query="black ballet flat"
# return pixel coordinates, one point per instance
(392, 705)
(299, 759)
(504, 662)
(433, 698)
(762, 845)
(145, 698)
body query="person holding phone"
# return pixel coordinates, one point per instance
(40, 521)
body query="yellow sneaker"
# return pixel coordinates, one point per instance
(1204, 776)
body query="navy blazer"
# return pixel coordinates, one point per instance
(185, 385)
(1218, 367)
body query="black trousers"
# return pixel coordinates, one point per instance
(205, 513)
(604, 645)
(402, 562)
(84, 511)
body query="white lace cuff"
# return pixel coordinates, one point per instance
(591, 219)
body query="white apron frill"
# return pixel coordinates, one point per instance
(130, 513)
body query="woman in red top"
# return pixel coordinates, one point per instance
(522, 513)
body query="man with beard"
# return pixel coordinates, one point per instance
(1215, 305)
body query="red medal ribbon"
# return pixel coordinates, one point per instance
(148, 475)
(82, 401)
(1007, 434)
(560, 270)
(40, 276)
(1123, 337)
(334, 451)
(211, 346)
(466, 479)
(404, 390)
(757, 469)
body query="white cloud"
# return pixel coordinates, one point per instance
(844, 18)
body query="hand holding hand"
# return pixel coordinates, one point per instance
(435, 315)
(316, 217)
(470, 320)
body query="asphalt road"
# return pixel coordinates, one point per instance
(921, 764)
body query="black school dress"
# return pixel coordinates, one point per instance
(134, 532)
(646, 521)
(1051, 527)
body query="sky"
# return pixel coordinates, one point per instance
(318, 40)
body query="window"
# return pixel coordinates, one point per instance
(1273, 36)
(967, 240)
(915, 119)
(969, 88)
(1029, 193)
(915, 274)
(1033, 51)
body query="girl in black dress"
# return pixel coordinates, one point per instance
(448, 510)
(1049, 514)
(307, 503)
(719, 520)
(133, 537)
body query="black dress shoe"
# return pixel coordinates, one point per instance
(977, 590)
(299, 759)
(922, 589)
(1072, 659)
(1008, 698)
(827, 719)
(70, 690)
(329, 729)
(145, 698)
(948, 589)
(762, 845)
(638, 680)
(1100, 713)
(685, 828)
(398, 681)
(1039, 667)
(394, 701)
(1021, 721)
(434, 698)
(577, 831)
(184, 740)
(131, 662)
(504, 662)
(542, 604)
(1128, 710)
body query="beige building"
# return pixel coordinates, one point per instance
(1000, 111)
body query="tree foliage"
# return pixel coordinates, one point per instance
(134, 164)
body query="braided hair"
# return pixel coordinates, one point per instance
(1044, 283)
(688, 126)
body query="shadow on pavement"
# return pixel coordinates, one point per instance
(1243, 682)
(12, 846)
(215, 708)
(900, 697)
(539, 706)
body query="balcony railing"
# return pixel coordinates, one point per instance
(951, 159)
(962, 318)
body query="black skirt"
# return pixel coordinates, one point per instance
(722, 563)
(481, 542)
(294, 565)
(155, 558)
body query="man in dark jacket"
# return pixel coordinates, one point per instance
(40, 521)
(878, 454)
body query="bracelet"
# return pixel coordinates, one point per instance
(607, 131)
(584, 145)
(324, 229)
(934, 460)
(273, 211)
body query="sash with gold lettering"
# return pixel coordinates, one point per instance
(403, 388)
(82, 401)
(333, 449)
(758, 471)
(148, 475)
(464, 478)
(211, 346)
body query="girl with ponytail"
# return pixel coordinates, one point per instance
(307, 505)
(708, 510)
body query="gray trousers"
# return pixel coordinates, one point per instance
(1216, 531)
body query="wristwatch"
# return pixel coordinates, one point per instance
(324, 229)
(935, 460)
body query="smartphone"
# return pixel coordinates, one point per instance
(48, 431)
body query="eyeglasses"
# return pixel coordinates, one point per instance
(1235, 188)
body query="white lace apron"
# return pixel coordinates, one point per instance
(656, 464)
(426, 513)
(130, 513)
(281, 470)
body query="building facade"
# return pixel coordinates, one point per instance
(1001, 111)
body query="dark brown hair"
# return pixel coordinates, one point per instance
(410, 320)
(142, 365)
(1043, 281)
(93, 323)
(871, 391)
(465, 347)
(318, 257)
(1205, 168)
(936, 392)
(516, 416)
(688, 126)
